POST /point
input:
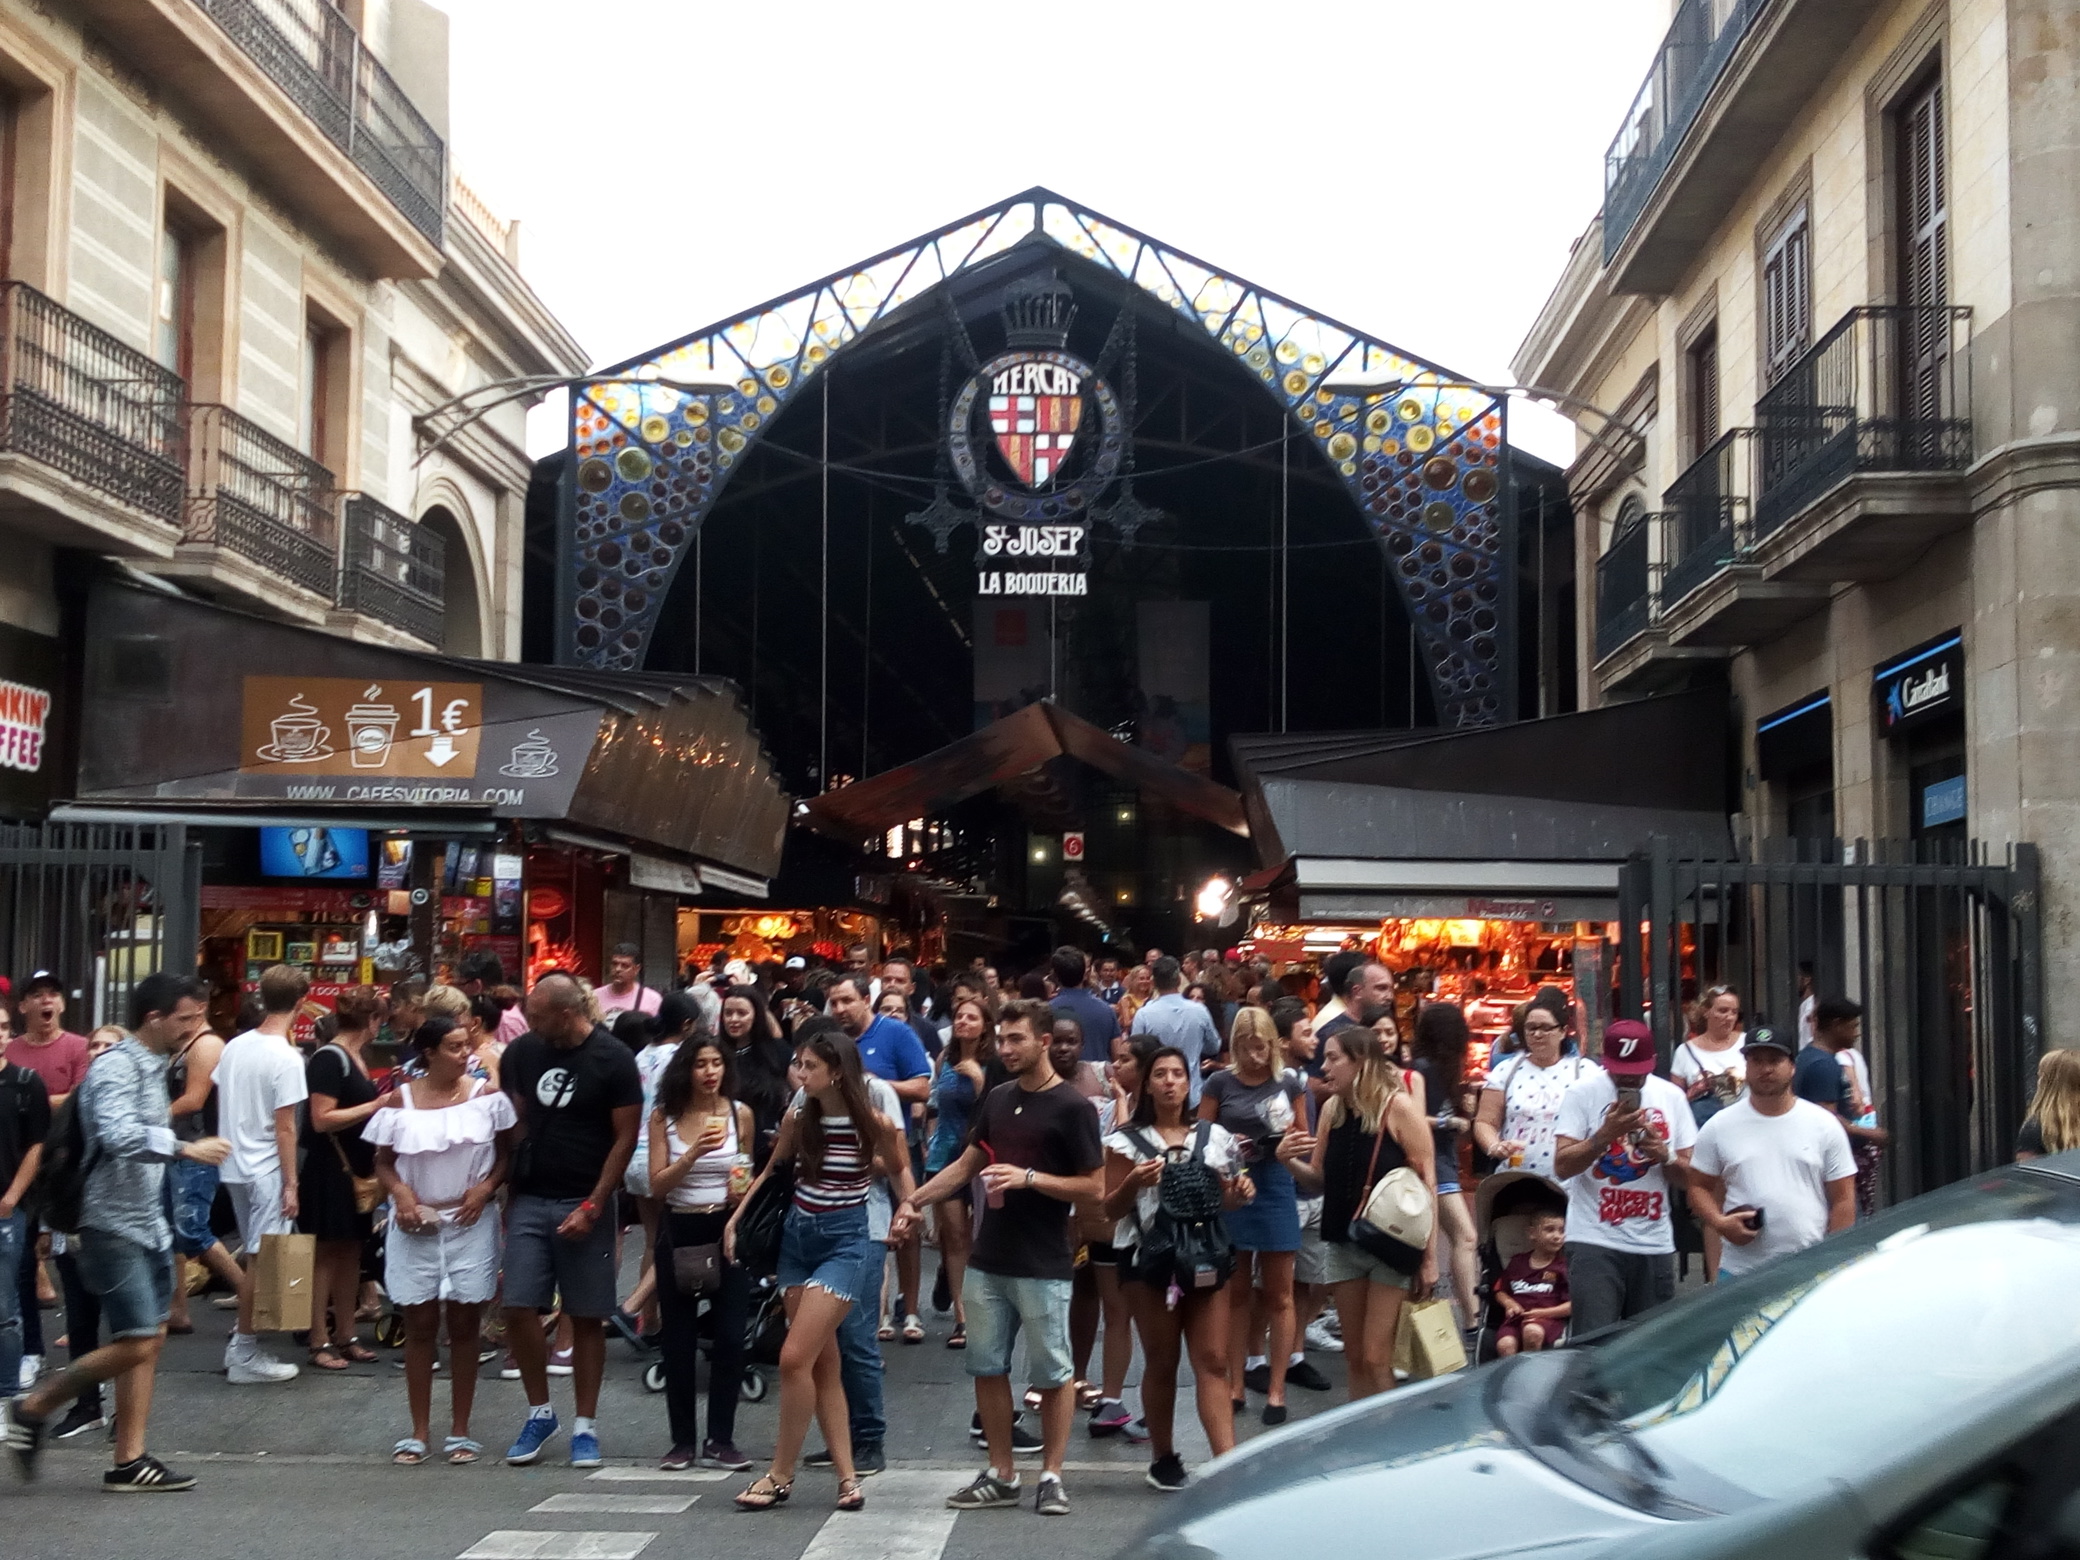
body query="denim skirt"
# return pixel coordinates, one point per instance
(824, 1249)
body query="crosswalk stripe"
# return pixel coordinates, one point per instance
(906, 1519)
(511, 1544)
(629, 1505)
(659, 1476)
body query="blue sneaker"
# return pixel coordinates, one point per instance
(532, 1436)
(584, 1449)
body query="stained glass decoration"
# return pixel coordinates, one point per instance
(1420, 451)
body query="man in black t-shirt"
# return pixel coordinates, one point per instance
(579, 1097)
(1035, 1149)
(25, 1121)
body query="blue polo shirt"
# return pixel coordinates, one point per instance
(890, 1049)
(1820, 1077)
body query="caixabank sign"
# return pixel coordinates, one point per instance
(1920, 685)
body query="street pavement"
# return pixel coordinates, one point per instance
(302, 1469)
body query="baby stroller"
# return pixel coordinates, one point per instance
(765, 1328)
(1503, 1209)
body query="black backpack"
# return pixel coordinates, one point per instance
(58, 1195)
(1187, 1242)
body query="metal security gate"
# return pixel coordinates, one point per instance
(1938, 940)
(101, 905)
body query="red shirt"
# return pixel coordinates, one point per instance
(61, 1063)
(1534, 1288)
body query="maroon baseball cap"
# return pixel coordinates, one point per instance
(1628, 1049)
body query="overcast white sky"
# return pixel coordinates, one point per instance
(1417, 171)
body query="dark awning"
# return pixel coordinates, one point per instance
(1528, 821)
(190, 705)
(1002, 751)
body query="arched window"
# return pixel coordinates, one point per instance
(462, 626)
(1621, 574)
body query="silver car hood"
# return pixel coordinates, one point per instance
(1423, 1473)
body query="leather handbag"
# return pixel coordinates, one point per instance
(697, 1270)
(1393, 1223)
(368, 1191)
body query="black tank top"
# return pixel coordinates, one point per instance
(200, 1124)
(1344, 1181)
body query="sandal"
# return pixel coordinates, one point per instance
(752, 1498)
(1033, 1400)
(357, 1351)
(888, 1329)
(326, 1357)
(852, 1494)
(461, 1451)
(913, 1329)
(958, 1338)
(1088, 1397)
(408, 1453)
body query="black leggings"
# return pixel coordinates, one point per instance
(82, 1317)
(729, 1311)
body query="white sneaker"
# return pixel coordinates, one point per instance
(32, 1367)
(1320, 1339)
(258, 1368)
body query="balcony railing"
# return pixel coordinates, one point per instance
(1704, 515)
(1694, 51)
(252, 494)
(313, 53)
(391, 568)
(1888, 389)
(76, 399)
(1624, 588)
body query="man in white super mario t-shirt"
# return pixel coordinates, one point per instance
(1622, 1149)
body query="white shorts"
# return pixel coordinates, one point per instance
(457, 1263)
(636, 1179)
(257, 1205)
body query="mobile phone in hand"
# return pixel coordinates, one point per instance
(1628, 1100)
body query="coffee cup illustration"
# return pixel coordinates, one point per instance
(299, 735)
(371, 728)
(533, 759)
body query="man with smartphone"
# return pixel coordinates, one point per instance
(1772, 1173)
(1621, 1148)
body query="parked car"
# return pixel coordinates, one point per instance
(1908, 1389)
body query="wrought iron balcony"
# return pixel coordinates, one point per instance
(313, 53)
(392, 569)
(253, 495)
(1624, 588)
(76, 399)
(1704, 515)
(1888, 389)
(1693, 52)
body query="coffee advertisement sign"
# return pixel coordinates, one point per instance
(401, 730)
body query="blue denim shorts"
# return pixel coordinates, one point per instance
(998, 1307)
(133, 1283)
(191, 1190)
(824, 1249)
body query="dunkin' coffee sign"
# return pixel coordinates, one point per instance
(366, 730)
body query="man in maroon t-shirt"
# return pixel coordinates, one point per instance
(44, 1045)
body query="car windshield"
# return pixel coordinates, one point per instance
(1820, 1362)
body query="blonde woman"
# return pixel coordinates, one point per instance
(2053, 1123)
(1140, 987)
(1369, 1126)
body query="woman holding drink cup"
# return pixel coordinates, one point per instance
(1521, 1101)
(700, 1166)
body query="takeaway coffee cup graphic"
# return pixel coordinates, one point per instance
(299, 735)
(533, 759)
(371, 728)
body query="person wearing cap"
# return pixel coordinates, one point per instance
(1622, 1149)
(1771, 1173)
(45, 1046)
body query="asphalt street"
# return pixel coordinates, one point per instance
(302, 1469)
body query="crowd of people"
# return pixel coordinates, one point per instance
(1183, 1155)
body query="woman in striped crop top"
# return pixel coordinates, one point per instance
(836, 1141)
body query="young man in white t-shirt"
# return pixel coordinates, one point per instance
(1622, 1149)
(260, 1085)
(1773, 1173)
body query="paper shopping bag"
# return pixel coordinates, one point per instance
(1429, 1333)
(282, 1283)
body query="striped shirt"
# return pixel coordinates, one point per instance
(847, 1171)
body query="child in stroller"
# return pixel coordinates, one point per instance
(1511, 1207)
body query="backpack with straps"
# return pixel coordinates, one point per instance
(1187, 1241)
(58, 1195)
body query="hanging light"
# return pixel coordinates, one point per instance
(1215, 898)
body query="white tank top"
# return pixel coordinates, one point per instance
(707, 1183)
